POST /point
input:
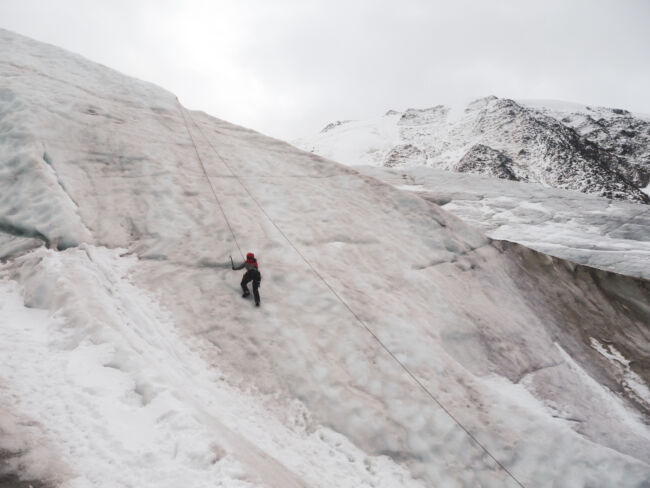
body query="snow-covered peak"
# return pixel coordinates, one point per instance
(560, 106)
(591, 149)
(433, 115)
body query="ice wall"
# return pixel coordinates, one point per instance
(365, 290)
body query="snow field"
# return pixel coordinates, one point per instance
(126, 401)
(363, 142)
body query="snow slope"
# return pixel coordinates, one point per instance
(129, 359)
(584, 229)
(591, 149)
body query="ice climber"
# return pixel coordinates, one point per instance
(251, 274)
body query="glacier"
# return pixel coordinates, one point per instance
(581, 228)
(396, 345)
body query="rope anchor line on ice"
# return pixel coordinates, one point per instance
(205, 173)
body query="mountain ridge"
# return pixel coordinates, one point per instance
(598, 150)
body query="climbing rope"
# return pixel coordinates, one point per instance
(406, 369)
(198, 156)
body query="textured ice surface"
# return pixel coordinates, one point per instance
(584, 229)
(129, 358)
(114, 384)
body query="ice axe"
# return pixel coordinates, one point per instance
(231, 262)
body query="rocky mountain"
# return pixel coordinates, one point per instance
(593, 150)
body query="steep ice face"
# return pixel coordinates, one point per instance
(600, 151)
(37, 203)
(379, 308)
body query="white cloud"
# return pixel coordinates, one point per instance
(288, 67)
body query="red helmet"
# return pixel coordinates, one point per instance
(250, 255)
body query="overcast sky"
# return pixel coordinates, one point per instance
(287, 68)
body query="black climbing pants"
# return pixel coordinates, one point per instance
(254, 276)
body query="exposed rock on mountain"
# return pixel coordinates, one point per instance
(616, 131)
(482, 159)
(599, 151)
(404, 154)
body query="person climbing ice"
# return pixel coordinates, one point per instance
(252, 274)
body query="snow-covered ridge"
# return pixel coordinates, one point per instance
(150, 370)
(591, 149)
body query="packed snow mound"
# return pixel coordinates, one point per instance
(396, 346)
(593, 150)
